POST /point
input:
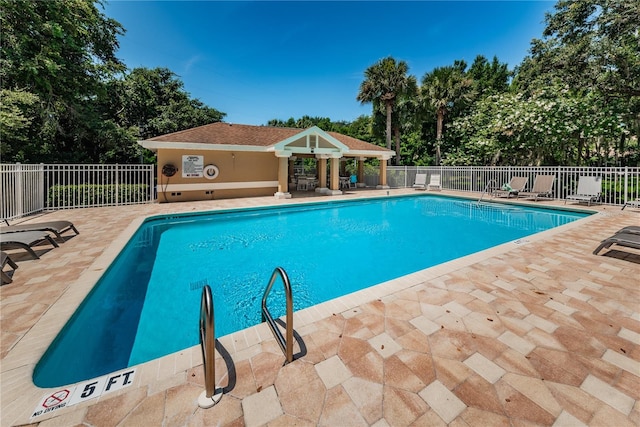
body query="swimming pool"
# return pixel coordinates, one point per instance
(146, 305)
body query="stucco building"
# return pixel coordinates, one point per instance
(224, 160)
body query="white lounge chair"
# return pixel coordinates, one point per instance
(589, 190)
(542, 187)
(434, 182)
(513, 188)
(633, 203)
(421, 181)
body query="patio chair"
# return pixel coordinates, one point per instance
(629, 240)
(513, 188)
(542, 187)
(25, 240)
(434, 183)
(421, 181)
(353, 181)
(589, 190)
(5, 259)
(633, 203)
(56, 227)
(303, 184)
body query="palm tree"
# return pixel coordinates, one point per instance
(405, 114)
(442, 89)
(384, 82)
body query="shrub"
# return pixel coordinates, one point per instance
(94, 194)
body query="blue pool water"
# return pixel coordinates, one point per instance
(147, 304)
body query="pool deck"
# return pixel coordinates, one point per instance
(536, 332)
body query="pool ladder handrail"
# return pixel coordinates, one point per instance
(486, 189)
(286, 344)
(210, 396)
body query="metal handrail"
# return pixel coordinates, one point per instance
(486, 187)
(208, 342)
(286, 345)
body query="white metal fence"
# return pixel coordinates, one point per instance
(27, 189)
(619, 185)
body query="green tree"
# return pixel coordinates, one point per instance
(61, 52)
(405, 117)
(551, 127)
(154, 102)
(384, 82)
(142, 104)
(16, 114)
(443, 89)
(489, 78)
(592, 48)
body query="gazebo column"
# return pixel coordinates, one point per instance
(382, 185)
(283, 177)
(334, 185)
(322, 174)
(361, 171)
(291, 170)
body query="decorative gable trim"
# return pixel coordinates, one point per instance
(310, 141)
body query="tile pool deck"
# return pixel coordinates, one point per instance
(538, 332)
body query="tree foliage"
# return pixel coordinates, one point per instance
(444, 89)
(575, 98)
(67, 98)
(385, 81)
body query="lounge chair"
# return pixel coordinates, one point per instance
(542, 187)
(421, 181)
(5, 259)
(434, 183)
(25, 240)
(629, 240)
(513, 188)
(589, 190)
(633, 203)
(56, 227)
(633, 229)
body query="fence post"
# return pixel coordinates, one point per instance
(626, 185)
(117, 184)
(19, 190)
(44, 196)
(152, 184)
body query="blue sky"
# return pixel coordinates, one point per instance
(264, 60)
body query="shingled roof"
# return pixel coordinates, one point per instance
(228, 134)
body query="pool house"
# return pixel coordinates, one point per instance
(225, 160)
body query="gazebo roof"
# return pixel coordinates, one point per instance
(282, 141)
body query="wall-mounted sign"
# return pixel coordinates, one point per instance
(192, 166)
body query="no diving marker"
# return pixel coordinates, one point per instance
(91, 389)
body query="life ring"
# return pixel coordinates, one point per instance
(211, 171)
